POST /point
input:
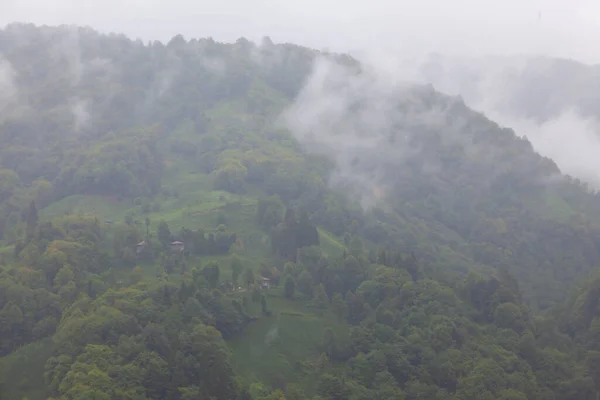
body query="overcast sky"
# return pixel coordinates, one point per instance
(568, 28)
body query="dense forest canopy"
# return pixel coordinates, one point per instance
(200, 220)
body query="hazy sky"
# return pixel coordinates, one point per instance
(555, 27)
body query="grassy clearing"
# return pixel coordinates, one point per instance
(330, 245)
(557, 208)
(192, 204)
(273, 347)
(103, 207)
(6, 251)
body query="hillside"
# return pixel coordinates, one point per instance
(458, 189)
(413, 248)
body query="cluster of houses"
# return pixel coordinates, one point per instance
(176, 246)
(227, 286)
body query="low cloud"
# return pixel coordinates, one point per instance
(550, 101)
(8, 83)
(321, 118)
(570, 139)
(81, 115)
(380, 120)
(368, 121)
(215, 66)
(67, 51)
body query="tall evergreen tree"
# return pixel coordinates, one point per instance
(31, 220)
(164, 233)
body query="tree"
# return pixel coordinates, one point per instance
(305, 283)
(339, 306)
(263, 304)
(289, 287)
(236, 268)
(289, 268)
(355, 306)
(509, 315)
(593, 366)
(193, 309)
(356, 246)
(306, 232)
(230, 176)
(269, 212)
(383, 315)
(329, 343)
(205, 360)
(211, 273)
(31, 220)
(320, 299)
(256, 294)
(163, 233)
(137, 274)
(147, 222)
(128, 218)
(249, 277)
(64, 276)
(91, 291)
(412, 266)
(294, 234)
(9, 181)
(332, 387)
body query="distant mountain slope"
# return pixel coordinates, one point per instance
(531, 87)
(553, 102)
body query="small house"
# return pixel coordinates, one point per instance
(140, 247)
(265, 283)
(177, 246)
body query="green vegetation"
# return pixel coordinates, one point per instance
(163, 237)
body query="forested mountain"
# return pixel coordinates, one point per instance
(199, 220)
